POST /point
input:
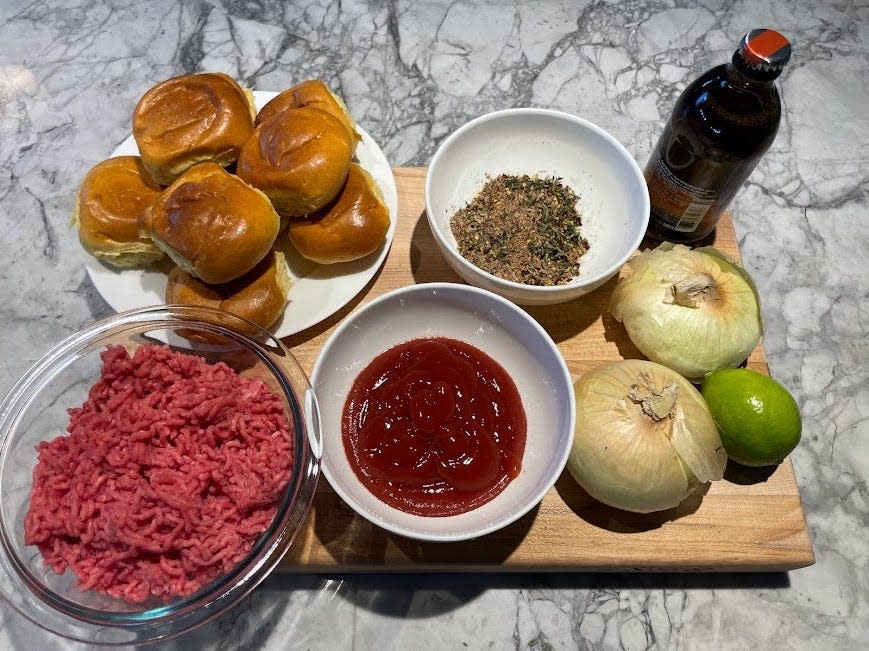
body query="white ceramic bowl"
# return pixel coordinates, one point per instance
(613, 196)
(498, 328)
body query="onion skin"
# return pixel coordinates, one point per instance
(625, 457)
(718, 329)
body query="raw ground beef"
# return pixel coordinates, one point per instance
(171, 470)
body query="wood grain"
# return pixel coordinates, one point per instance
(750, 521)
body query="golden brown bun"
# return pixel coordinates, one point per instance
(311, 94)
(110, 200)
(299, 158)
(212, 224)
(190, 119)
(351, 227)
(259, 296)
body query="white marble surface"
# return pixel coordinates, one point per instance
(412, 71)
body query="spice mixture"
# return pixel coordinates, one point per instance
(524, 229)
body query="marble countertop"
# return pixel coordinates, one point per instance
(411, 72)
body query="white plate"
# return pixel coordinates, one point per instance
(318, 290)
(488, 322)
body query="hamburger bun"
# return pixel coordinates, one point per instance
(259, 296)
(299, 158)
(311, 94)
(212, 224)
(190, 119)
(352, 226)
(110, 200)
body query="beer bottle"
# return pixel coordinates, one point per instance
(722, 124)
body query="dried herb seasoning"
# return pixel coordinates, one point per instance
(522, 228)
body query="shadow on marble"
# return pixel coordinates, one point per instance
(297, 603)
(420, 596)
(97, 306)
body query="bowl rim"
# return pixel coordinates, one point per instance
(180, 615)
(559, 462)
(509, 285)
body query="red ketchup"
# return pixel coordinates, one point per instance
(434, 427)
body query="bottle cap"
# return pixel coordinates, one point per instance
(764, 52)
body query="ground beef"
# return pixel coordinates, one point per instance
(170, 471)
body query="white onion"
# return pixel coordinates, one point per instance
(694, 310)
(644, 438)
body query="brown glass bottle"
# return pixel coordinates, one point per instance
(722, 124)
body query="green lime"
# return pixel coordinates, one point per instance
(758, 419)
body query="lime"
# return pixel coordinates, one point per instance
(758, 419)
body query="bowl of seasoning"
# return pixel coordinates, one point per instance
(154, 468)
(536, 205)
(447, 411)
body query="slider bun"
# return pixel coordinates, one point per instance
(311, 94)
(351, 227)
(212, 224)
(190, 119)
(110, 200)
(259, 296)
(299, 158)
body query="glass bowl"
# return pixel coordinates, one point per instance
(36, 410)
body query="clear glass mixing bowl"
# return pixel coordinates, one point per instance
(36, 410)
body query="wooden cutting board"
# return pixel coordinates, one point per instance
(747, 522)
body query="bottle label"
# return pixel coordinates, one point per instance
(679, 205)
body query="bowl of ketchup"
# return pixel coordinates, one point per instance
(447, 412)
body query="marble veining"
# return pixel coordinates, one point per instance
(411, 72)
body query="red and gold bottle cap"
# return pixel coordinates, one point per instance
(764, 50)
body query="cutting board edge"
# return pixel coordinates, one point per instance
(794, 562)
